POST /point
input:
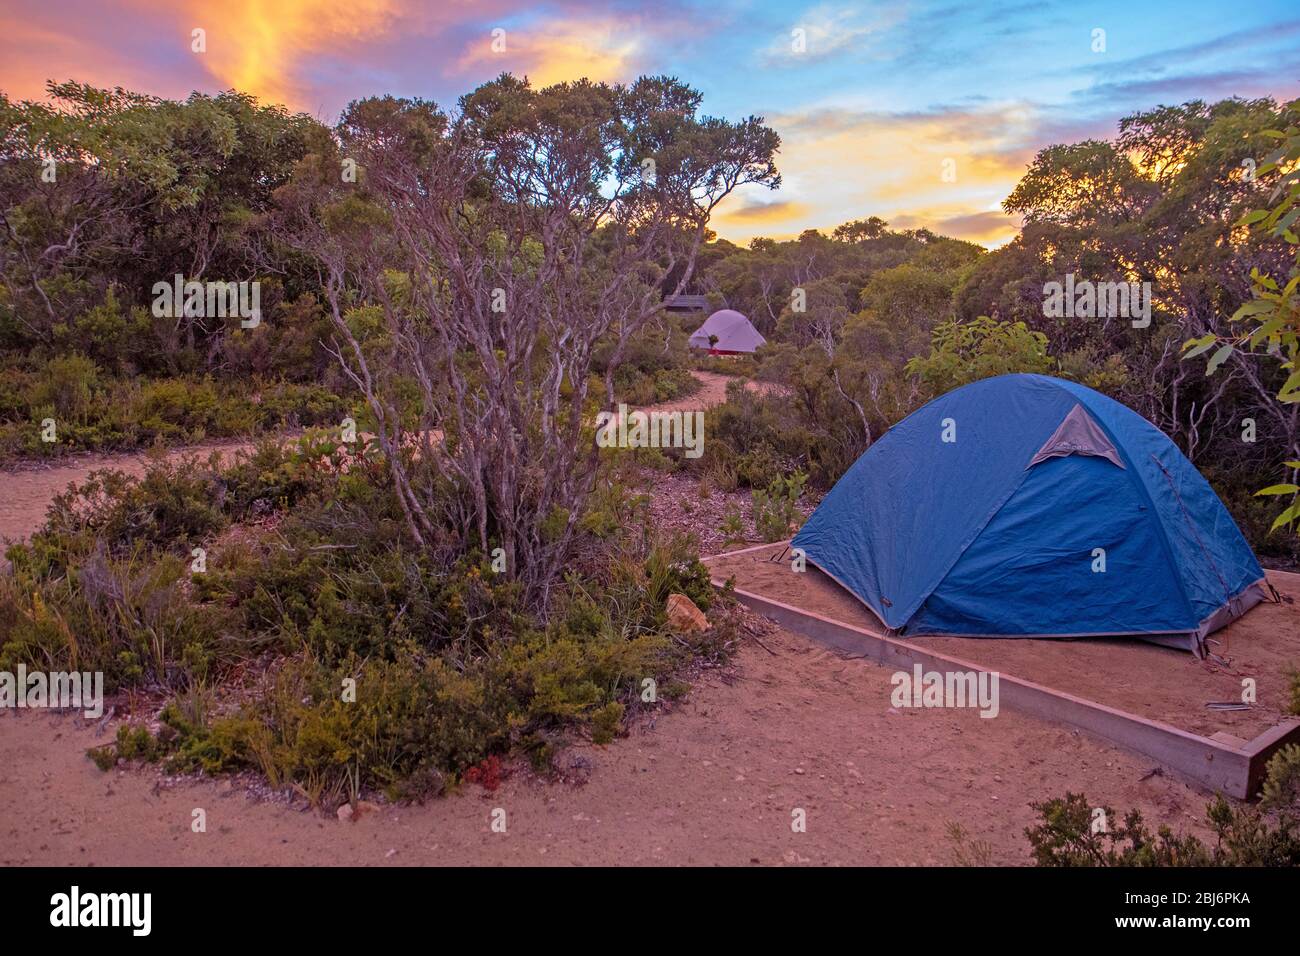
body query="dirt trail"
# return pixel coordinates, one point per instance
(26, 491)
(712, 391)
(716, 782)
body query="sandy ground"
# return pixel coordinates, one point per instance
(1141, 678)
(794, 726)
(26, 491)
(712, 391)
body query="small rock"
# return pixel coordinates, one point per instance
(683, 616)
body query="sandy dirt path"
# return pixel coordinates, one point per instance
(26, 491)
(712, 391)
(714, 782)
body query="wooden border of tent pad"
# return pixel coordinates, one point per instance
(1228, 765)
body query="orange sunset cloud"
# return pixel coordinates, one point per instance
(948, 172)
(556, 52)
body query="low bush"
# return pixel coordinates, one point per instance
(1263, 835)
(382, 666)
(776, 509)
(90, 411)
(754, 439)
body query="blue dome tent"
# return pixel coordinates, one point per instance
(1029, 506)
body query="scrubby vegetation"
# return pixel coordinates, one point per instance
(447, 572)
(142, 190)
(102, 195)
(1073, 832)
(864, 323)
(375, 667)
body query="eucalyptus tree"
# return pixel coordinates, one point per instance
(497, 247)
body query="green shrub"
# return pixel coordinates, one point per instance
(308, 563)
(94, 411)
(173, 506)
(733, 526)
(129, 617)
(1065, 837)
(756, 437)
(760, 466)
(605, 723)
(776, 510)
(65, 387)
(1267, 835)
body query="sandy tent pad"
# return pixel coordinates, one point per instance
(1140, 678)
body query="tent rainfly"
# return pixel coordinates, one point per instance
(727, 332)
(1029, 506)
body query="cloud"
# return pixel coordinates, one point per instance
(827, 31)
(1158, 61)
(947, 169)
(989, 229)
(885, 93)
(1211, 85)
(318, 54)
(39, 43)
(753, 212)
(1255, 61)
(552, 52)
(265, 49)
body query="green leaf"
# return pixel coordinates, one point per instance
(1286, 517)
(1278, 490)
(1267, 330)
(1218, 358)
(1253, 307)
(1290, 390)
(1201, 345)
